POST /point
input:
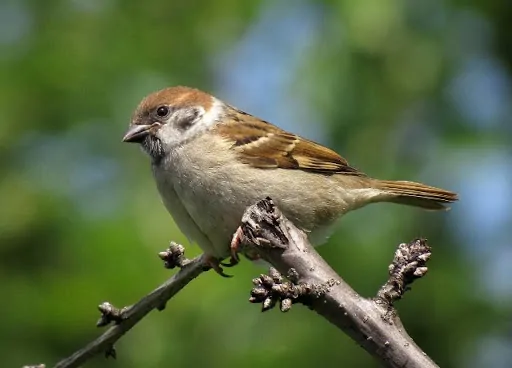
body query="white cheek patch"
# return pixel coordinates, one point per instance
(205, 120)
(172, 135)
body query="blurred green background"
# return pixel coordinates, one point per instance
(411, 89)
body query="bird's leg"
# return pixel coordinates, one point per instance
(235, 244)
(235, 249)
(214, 263)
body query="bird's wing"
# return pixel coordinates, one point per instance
(263, 145)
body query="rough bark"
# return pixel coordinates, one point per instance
(372, 323)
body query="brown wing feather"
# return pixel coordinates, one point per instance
(264, 145)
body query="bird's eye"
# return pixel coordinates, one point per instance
(162, 111)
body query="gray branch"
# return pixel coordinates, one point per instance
(372, 323)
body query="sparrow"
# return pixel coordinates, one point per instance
(211, 161)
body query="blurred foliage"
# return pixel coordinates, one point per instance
(386, 82)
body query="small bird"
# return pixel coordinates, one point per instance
(211, 161)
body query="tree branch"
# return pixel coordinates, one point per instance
(130, 316)
(372, 323)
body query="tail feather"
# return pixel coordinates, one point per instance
(417, 194)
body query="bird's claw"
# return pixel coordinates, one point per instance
(232, 262)
(215, 264)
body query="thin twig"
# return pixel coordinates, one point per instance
(130, 316)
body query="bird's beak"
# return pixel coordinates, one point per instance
(136, 133)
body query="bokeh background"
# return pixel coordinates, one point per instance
(406, 89)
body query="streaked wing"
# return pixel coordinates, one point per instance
(264, 145)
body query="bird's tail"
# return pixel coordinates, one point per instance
(416, 194)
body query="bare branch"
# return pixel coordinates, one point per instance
(128, 317)
(372, 323)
